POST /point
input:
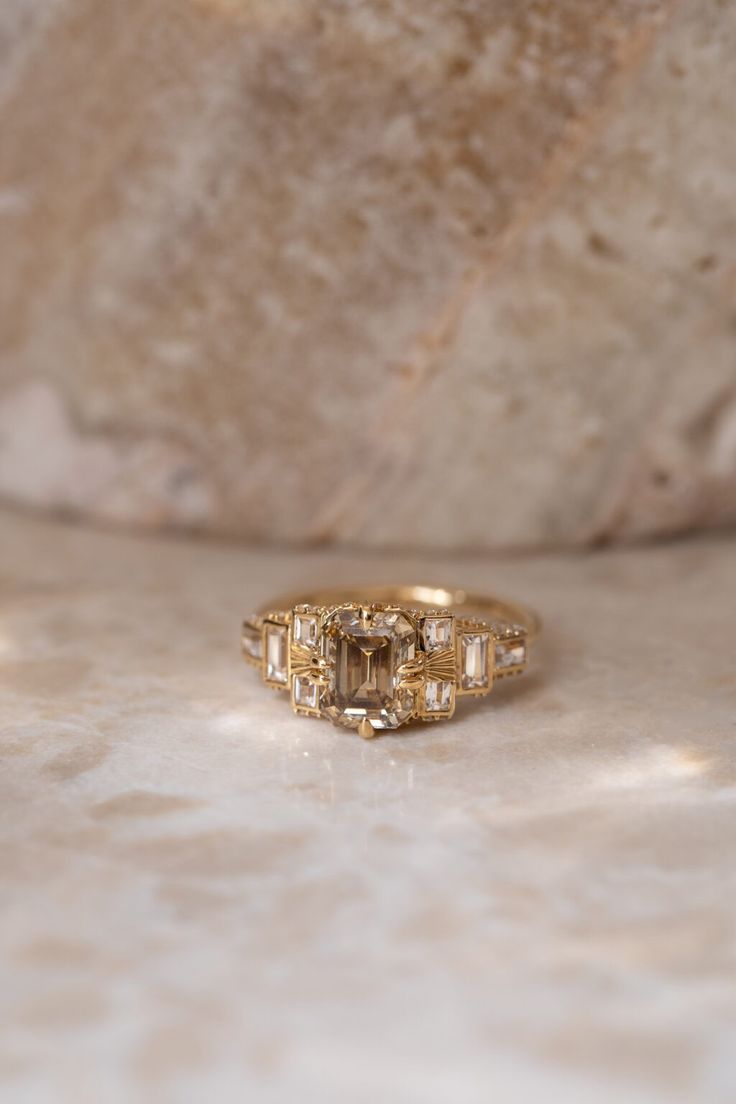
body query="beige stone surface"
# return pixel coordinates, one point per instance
(467, 265)
(205, 898)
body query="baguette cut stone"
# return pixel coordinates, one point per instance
(438, 697)
(365, 650)
(474, 660)
(277, 649)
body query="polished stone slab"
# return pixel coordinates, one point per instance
(205, 897)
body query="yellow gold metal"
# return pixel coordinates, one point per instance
(428, 598)
(409, 653)
(366, 730)
(440, 665)
(304, 663)
(411, 674)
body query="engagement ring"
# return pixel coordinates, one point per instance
(374, 658)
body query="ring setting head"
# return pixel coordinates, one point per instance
(373, 667)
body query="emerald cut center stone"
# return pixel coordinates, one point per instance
(366, 649)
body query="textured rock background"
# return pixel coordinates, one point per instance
(399, 273)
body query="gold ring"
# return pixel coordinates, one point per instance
(373, 658)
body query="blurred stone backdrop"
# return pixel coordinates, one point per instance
(396, 272)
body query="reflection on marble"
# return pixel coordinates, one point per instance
(206, 898)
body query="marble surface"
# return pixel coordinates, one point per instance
(205, 898)
(398, 238)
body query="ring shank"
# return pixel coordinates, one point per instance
(426, 596)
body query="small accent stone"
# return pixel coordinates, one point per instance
(438, 697)
(474, 660)
(306, 627)
(510, 653)
(277, 639)
(306, 692)
(437, 633)
(251, 640)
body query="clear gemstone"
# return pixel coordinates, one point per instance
(437, 633)
(438, 697)
(306, 627)
(251, 640)
(277, 642)
(474, 660)
(306, 692)
(365, 653)
(510, 653)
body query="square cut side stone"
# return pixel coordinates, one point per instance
(510, 653)
(437, 633)
(306, 629)
(474, 661)
(438, 697)
(277, 653)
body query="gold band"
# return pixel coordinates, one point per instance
(373, 657)
(428, 597)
